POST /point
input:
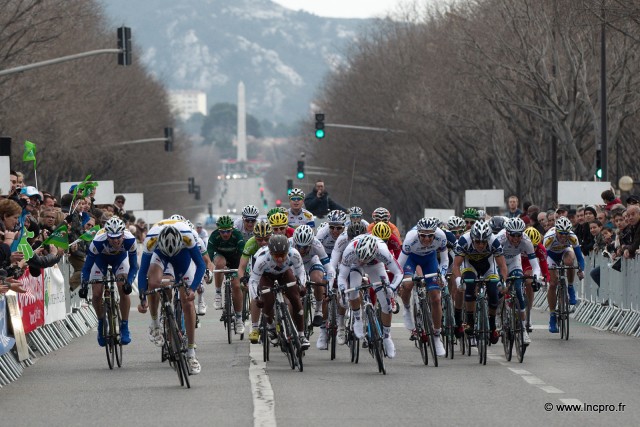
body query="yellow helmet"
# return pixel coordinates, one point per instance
(534, 235)
(279, 219)
(381, 230)
(262, 229)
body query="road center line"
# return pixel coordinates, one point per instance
(264, 404)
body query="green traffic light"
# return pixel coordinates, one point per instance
(599, 173)
(319, 133)
(300, 175)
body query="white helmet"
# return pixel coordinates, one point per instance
(563, 225)
(190, 224)
(427, 224)
(250, 211)
(455, 222)
(336, 217)
(170, 241)
(481, 230)
(515, 225)
(114, 227)
(367, 248)
(296, 192)
(303, 236)
(177, 217)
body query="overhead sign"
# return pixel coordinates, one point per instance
(104, 192)
(150, 217)
(133, 201)
(484, 198)
(442, 214)
(581, 192)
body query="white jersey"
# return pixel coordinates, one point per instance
(512, 254)
(189, 239)
(264, 263)
(338, 250)
(383, 256)
(203, 234)
(316, 255)
(238, 224)
(413, 246)
(304, 217)
(327, 240)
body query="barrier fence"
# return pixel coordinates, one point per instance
(615, 304)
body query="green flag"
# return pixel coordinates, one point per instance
(87, 236)
(29, 153)
(59, 237)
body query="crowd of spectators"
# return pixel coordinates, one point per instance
(24, 207)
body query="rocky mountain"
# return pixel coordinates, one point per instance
(280, 54)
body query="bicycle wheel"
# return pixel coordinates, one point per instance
(376, 339)
(228, 310)
(174, 344)
(246, 310)
(286, 339)
(353, 341)
(517, 328)
(332, 330)
(180, 354)
(483, 336)
(507, 341)
(307, 316)
(565, 309)
(428, 328)
(448, 327)
(117, 336)
(420, 340)
(109, 347)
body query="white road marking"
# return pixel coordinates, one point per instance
(550, 389)
(532, 380)
(571, 401)
(264, 404)
(520, 371)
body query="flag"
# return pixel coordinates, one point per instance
(59, 237)
(80, 187)
(29, 153)
(87, 236)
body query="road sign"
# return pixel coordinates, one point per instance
(442, 214)
(104, 191)
(581, 192)
(150, 217)
(134, 201)
(484, 198)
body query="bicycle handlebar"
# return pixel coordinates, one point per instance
(367, 286)
(173, 285)
(564, 267)
(320, 284)
(226, 271)
(278, 286)
(420, 278)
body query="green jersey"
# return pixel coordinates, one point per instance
(250, 248)
(230, 249)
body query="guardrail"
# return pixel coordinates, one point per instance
(615, 304)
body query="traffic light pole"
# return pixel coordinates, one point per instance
(58, 60)
(369, 128)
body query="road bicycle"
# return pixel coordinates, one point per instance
(308, 302)
(423, 335)
(288, 338)
(228, 317)
(112, 319)
(511, 328)
(448, 333)
(563, 308)
(331, 324)
(481, 329)
(175, 344)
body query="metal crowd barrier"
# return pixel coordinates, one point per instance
(615, 304)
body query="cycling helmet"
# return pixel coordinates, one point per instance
(534, 235)
(355, 211)
(436, 220)
(114, 227)
(336, 217)
(278, 244)
(455, 222)
(279, 220)
(276, 210)
(480, 230)
(482, 214)
(381, 214)
(470, 213)
(177, 217)
(563, 225)
(224, 222)
(427, 224)
(497, 223)
(515, 225)
(169, 241)
(296, 192)
(367, 248)
(250, 211)
(303, 236)
(381, 230)
(262, 229)
(190, 224)
(355, 229)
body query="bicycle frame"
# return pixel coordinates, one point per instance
(228, 313)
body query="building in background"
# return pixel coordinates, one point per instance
(188, 102)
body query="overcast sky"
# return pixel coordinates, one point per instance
(343, 8)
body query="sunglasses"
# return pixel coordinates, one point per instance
(262, 239)
(480, 242)
(226, 231)
(296, 199)
(427, 236)
(460, 231)
(279, 228)
(298, 247)
(515, 234)
(250, 220)
(563, 233)
(336, 227)
(115, 238)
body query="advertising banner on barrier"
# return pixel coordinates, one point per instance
(32, 301)
(54, 297)
(6, 342)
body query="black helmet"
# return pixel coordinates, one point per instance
(355, 229)
(278, 244)
(497, 223)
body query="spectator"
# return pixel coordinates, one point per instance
(595, 227)
(632, 200)
(30, 199)
(48, 200)
(10, 213)
(48, 219)
(562, 211)
(609, 199)
(633, 218)
(118, 206)
(514, 211)
(551, 220)
(141, 230)
(573, 217)
(202, 232)
(319, 203)
(542, 221)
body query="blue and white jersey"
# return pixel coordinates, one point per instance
(383, 255)
(413, 247)
(465, 248)
(555, 248)
(264, 263)
(317, 250)
(513, 254)
(101, 250)
(304, 217)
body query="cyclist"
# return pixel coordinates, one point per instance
(456, 226)
(279, 223)
(353, 230)
(355, 215)
(420, 250)
(382, 231)
(169, 249)
(116, 247)
(382, 214)
(246, 223)
(479, 254)
(368, 254)
(515, 244)
(541, 255)
(201, 307)
(297, 214)
(279, 261)
(497, 223)
(470, 216)
(261, 233)
(225, 248)
(562, 248)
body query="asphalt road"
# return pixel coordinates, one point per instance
(74, 386)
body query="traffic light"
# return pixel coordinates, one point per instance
(300, 169)
(192, 184)
(598, 173)
(210, 208)
(196, 190)
(289, 186)
(278, 203)
(168, 139)
(261, 191)
(124, 44)
(264, 203)
(320, 126)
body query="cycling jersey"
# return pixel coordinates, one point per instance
(414, 254)
(317, 256)
(556, 249)
(541, 254)
(327, 240)
(383, 258)
(301, 218)
(238, 224)
(338, 249)
(231, 249)
(264, 263)
(250, 248)
(123, 259)
(513, 254)
(478, 261)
